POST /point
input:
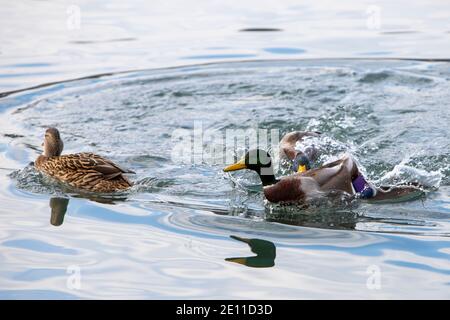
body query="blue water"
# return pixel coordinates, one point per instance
(322, 66)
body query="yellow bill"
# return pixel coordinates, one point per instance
(301, 169)
(237, 166)
(238, 260)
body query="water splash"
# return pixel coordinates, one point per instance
(403, 173)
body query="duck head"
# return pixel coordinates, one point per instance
(301, 163)
(53, 145)
(259, 161)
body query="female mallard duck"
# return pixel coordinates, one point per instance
(85, 171)
(341, 175)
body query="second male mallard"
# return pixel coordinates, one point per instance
(86, 171)
(301, 160)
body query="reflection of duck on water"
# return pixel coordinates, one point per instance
(265, 253)
(59, 209)
(341, 175)
(59, 205)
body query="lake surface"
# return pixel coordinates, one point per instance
(373, 80)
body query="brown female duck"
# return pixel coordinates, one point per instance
(85, 171)
(341, 175)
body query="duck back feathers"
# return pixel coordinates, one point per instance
(86, 171)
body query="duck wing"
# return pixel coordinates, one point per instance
(106, 166)
(289, 141)
(89, 163)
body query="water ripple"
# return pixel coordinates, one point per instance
(169, 236)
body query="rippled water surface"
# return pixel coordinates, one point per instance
(170, 236)
(183, 230)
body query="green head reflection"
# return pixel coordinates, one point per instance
(265, 253)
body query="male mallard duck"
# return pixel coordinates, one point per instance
(341, 175)
(301, 161)
(85, 171)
